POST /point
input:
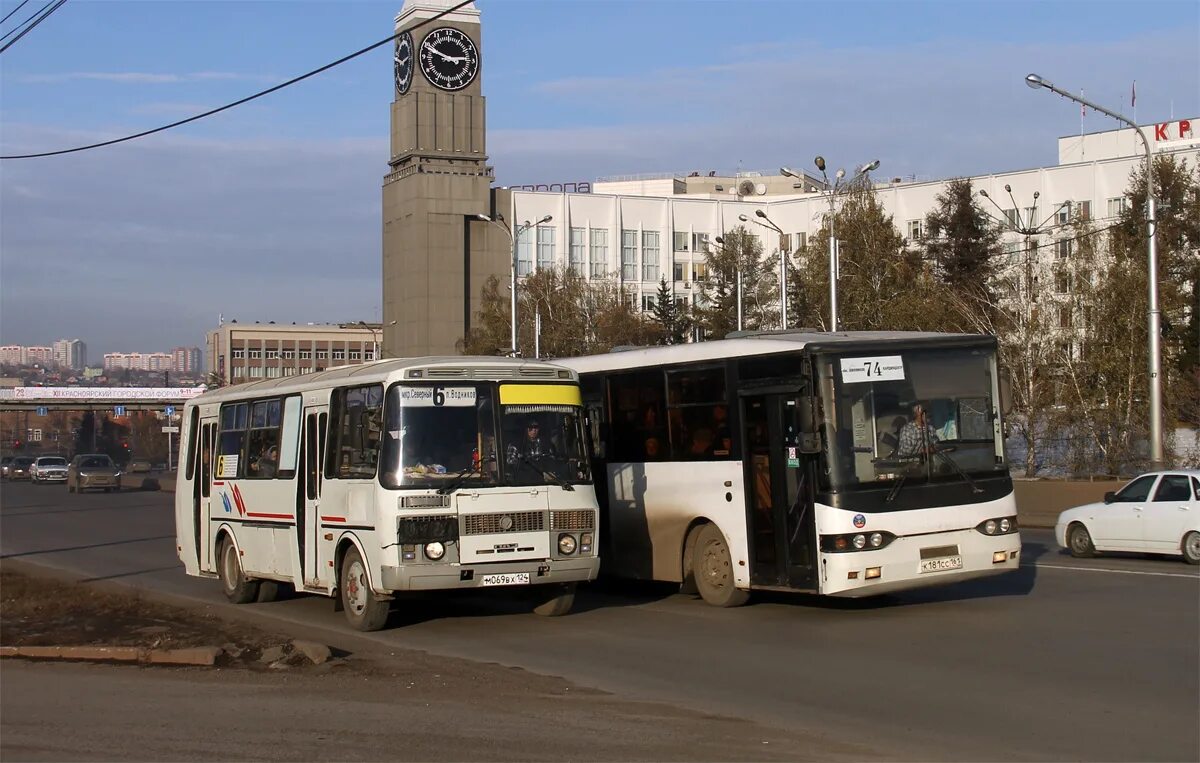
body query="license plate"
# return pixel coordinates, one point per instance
(944, 563)
(507, 578)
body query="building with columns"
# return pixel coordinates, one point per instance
(437, 252)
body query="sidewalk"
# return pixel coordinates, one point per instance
(1038, 501)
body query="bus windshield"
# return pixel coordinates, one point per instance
(440, 436)
(911, 415)
(543, 443)
(437, 434)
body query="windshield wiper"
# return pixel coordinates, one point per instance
(459, 479)
(896, 488)
(954, 465)
(547, 473)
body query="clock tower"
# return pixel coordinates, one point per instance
(436, 253)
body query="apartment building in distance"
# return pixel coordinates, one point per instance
(245, 352)
(70, 353)
(179, 360)
(21, 355)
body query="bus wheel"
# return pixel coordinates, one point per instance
(1080, 542)
(554, 599)
(713, 569)
(238, 588)
(363, 610)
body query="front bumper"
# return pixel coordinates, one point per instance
(430, 577)
(52, 477)
(97, 480)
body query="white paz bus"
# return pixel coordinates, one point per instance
(398, 475)
(846, 464)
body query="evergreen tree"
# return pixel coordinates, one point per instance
(671, 316)
(962, 243)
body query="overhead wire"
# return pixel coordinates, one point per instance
(8, 15)
(241, 101)
(26, 21)
(31, 27)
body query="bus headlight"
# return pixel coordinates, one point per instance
(876, 540)
(989, 527)
(1005, 525)
(860, 541)
(566, 544)
(585, 543)
(434, 551)
(998, 526)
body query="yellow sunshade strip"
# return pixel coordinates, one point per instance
(546, 394)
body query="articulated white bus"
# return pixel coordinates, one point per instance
(398, 475)
(846, 464)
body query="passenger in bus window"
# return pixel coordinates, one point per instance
(653, 449)
(702, 442)
(266, 464)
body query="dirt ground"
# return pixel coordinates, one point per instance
(38, 611)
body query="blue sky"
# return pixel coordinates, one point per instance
(272, 211)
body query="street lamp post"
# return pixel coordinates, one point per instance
(1153, 318)
(515, 238)
(837, 187)
(783, 321)
(374, 339)
(721, 241)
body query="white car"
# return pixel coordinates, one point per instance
(49, 469)
(1158, 512)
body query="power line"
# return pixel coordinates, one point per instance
(29, 28)
(10, 13)
(26, 21)
(247, 99)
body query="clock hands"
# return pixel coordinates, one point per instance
(444, 57)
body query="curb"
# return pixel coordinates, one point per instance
(203, 655)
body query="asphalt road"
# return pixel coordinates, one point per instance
(1062, 660)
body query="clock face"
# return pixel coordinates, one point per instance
(449, 58)
(404, 63)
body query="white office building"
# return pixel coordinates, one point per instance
(641, 228)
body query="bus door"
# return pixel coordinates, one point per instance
(202, 491)
(779, 488)
(308, 520)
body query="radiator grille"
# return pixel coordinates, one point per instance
(427, 529)
(574, 519)
(424, 501)
(508, 522)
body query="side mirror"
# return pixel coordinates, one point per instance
(1005, 394)
(1110, 496)
(809, 440)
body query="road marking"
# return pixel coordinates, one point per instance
(1119, 572)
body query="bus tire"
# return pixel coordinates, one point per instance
(553, 600)
(363, 611)
(238, 588)
(713, 570)
(1079, 542)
